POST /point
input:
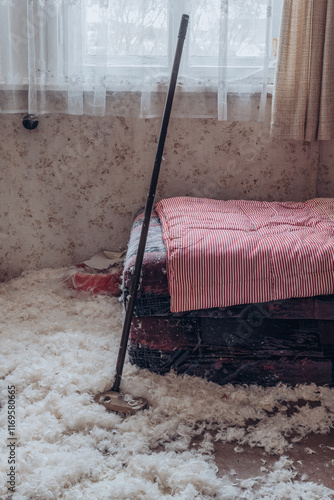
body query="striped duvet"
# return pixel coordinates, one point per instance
(223, 253)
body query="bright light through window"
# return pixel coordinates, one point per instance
(137, 33)
(133, 29)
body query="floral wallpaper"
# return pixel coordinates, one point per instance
(71, 187)
(325, 185)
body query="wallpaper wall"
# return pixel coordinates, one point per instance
(72, 186)
(325, 186)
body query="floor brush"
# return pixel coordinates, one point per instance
(113, 399)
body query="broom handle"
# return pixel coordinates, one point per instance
(149, 205)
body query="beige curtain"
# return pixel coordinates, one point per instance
(303, 104)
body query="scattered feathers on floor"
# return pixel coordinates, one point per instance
(59, 347)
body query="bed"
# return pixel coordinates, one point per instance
(264, 318)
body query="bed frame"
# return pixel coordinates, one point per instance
(290, 340)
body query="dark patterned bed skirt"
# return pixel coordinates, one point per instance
(290, 340)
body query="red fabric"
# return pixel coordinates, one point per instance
(98, 283)
(222, 253)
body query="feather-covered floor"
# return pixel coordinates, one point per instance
(58, 349)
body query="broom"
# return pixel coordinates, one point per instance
(113, 399)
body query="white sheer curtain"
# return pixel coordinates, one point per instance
(102, 57)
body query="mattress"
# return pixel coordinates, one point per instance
(288, 340)
(222, 253)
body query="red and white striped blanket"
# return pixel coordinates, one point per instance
(222, 253)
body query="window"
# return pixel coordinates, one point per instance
(143, 33)
(81, 56)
